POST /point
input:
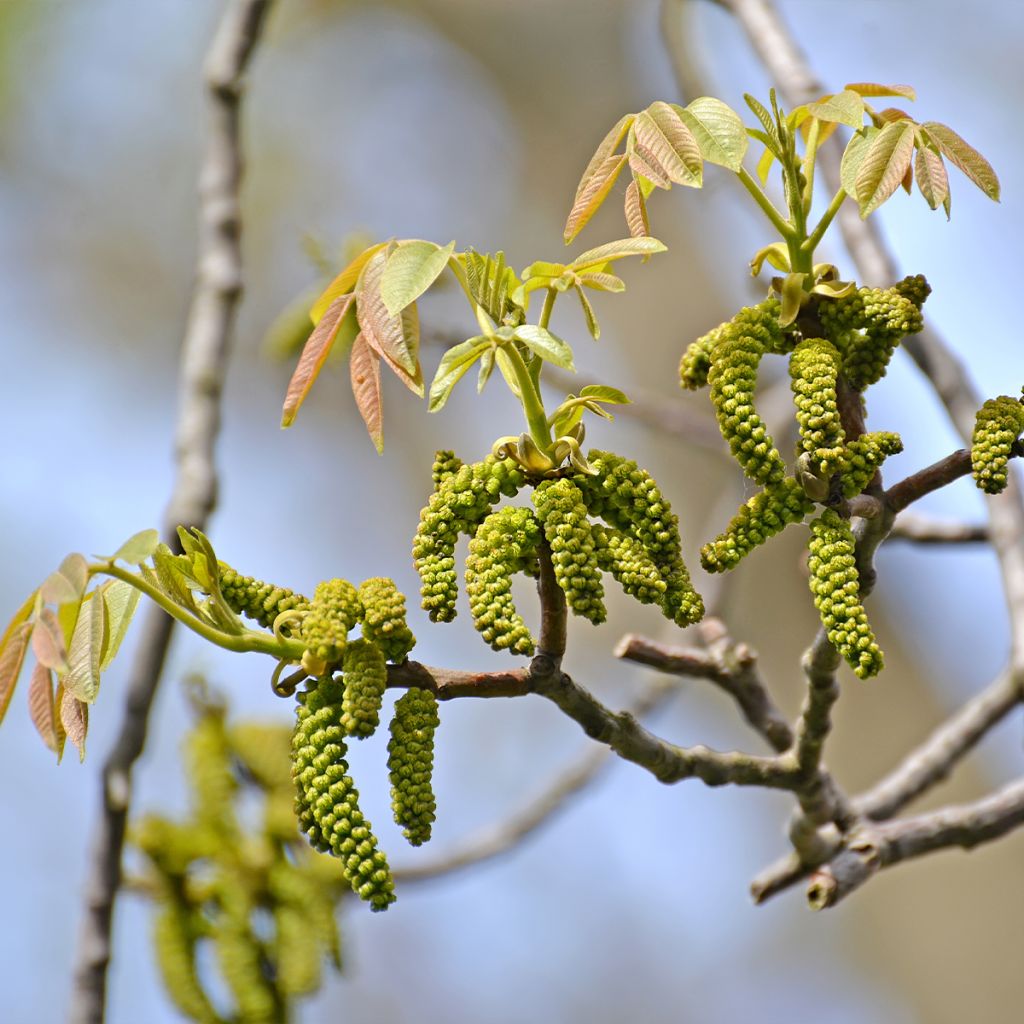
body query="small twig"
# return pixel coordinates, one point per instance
(931, 478)
(921, 530)
(935, 759)
(881, 845)
(203, 366)
(449, 683)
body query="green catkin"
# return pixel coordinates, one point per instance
(446, 464)
(175, 933)
(696, 359)
(764, 515)
(242, 958)
(297, 947)
(733, 378)
(563, 516)
(212, 783)
(505, 543)
(866, 327)
(627, 498)
(263, 751)
(836, 589)
(914, 287)
(814, 369)
(384, 618)
(332, 614)
(411, 763)
(327, 804)
(860, 459)
(255, 599)
(998, 424)
(627, 562)
(456, 507)
(366, 678)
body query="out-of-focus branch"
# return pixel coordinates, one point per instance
(203, 364)
(876, 846)
(933, 761)
(731, 666)
(921, 530)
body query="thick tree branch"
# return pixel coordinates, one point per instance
(931, 478)
(203, 365)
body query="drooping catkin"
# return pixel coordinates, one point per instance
(625, 559)
(176, 928)
(384, 618)
(814, 370)
(411, 763)
(255, 599)
(366, 678)
(327, 803)
(836, 588)
(333, 613)
(504, 544)
(997, 425)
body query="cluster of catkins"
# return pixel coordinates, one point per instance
(614, 520)
(997, 426)
(836, 350)
(255, 897)
(343, 700)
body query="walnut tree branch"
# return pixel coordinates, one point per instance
(203, 365)
(921, 530)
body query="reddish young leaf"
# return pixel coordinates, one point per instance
(48, 642)
(384, 333)
(597, 179)
(885, 162)
(314, 355)
(636, 212)
(344, 283)
(68, 583)
(664, 142)
(966, 157)
(40, 705)
(932, 180)
(365, 370)
(12, 657)
(874, 89)
(411, 329)
(74, 717)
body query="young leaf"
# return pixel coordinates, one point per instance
(598, 179)
(886, 161)
(74, 717)
(768, 123)
(777, 256)
(341, 313)
(68, 583)
(364, 369)
(966, 157)
(764, 165)
(853, 156)
(507, 371)
(874, 89)
(12, 657)
(636, 212)
(454, 364)
(486, 369)
(40, 705)
(121, 600)
(844, 107)
(48, 642)
(664, 142)
(616, 251)
(411, 332)
(86, 651)
(546, 345)
(601, 282)
(381, 331)
(718, 130)
(137, 548)
(793, 297)
(604, 393)
(344, 283)
(891, 114)
(411, 269)
(588, 314)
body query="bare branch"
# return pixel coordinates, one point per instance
(449, 683)
(881, 845)
(203, 365)
(935, 759)
(931, 478)
(922, 530)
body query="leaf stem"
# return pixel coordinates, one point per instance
(529, 395)
(810, 243)
(783, 226)
(546, 309)
(809, 161)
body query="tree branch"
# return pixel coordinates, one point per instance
(203, 365)
(922, 530)
(931, 478)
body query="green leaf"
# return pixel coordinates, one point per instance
(364, 372)
(764, 165)
(966, 157)
(546, 345)
(171, 578)
(68, 583)
(771, 130)
(834, 289)
(137, 548)
(565, 417)
(412, 267)
(601, 282)
(344, 283)
(718, 130)
(508, 372)
(120, 599)
(588, 314)
(604, 393)
(598, 179)
(793, 298)
(542, 269)
(853, 156)
(486, 369)
(777, 256)
(86, 651)
(48, 642)
(454, 365)
(930, 174)
(665, 143)
(12, 657)
(874, 89)
(884, 165)
(338, 324)
(610, 251)
(846, 107)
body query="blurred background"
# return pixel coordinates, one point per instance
(473, 119)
